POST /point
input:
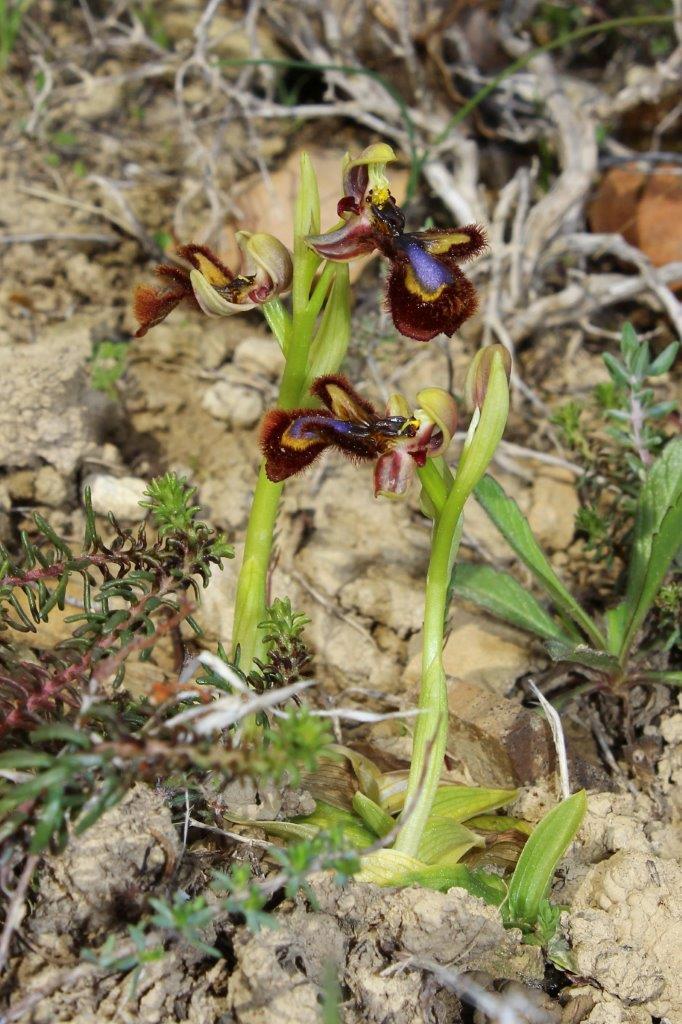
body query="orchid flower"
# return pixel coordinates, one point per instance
(427, 293)
(209, 285)
(399, 440)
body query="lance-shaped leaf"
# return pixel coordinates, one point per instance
(445, 841)
(535, 868)
(656, 540)
(581, 654)
(326, 817)
(512, 524)
(373, 816)
(458, 803)
(503, 596)
(392, 868)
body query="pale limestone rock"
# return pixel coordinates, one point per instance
(50, 487)
(552, 512)
(120, 495)
(499, 742)
(99, 99)
(215, 613)
(481, 651)
(238, 404)
(85, 277)
(259, 354)
(624, 928)
(49, 412)
(395, 599)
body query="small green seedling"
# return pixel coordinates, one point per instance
(526, 906)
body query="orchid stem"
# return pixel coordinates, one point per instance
(448, 498)
(430, 733)
(295, 335)
(252, 599)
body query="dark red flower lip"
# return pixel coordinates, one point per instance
(427, 293)
(291, 440)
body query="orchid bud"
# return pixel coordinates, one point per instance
(476, 383)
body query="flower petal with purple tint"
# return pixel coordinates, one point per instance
(356, 238)
(393, 473)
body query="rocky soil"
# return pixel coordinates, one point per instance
(108, 172)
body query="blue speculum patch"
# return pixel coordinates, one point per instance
(430, 272)
(313, 428)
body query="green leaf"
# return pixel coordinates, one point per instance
(664, 361)
(445, 841)
(23, 759)
(327, 817)
(60, 731)
(656, 540)
(54, 776)
(512, 524)
(392, 868)
(51, 815)
(459, 803)
(535, 867)
(372, 815)
(618, 372)
(666, 678)
(581, 654)
(503, 596)
(111, 791)
(499, 823)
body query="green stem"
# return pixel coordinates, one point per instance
(295, 335)
(430, 734)
(431, 729)
(251, 597)
(435, 485)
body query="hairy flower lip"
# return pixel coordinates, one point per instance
(427, 293)
(209, 285)
(398, 441)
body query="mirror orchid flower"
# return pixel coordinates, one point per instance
(398, 441)
(266, 271)
(427, 292)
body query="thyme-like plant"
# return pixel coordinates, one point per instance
(616, 436)
(130, 591)
(72, 745)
